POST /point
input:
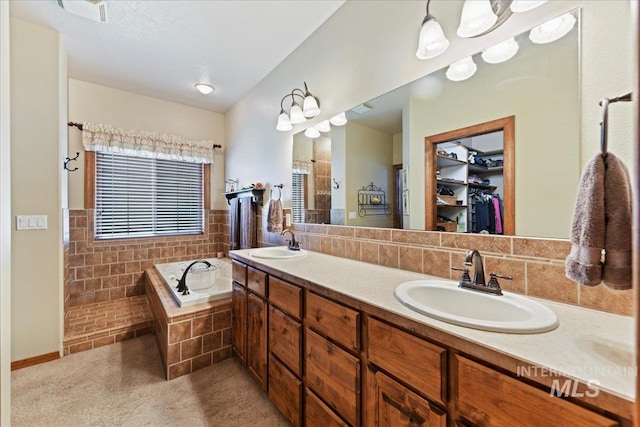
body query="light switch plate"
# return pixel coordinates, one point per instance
(287, 220)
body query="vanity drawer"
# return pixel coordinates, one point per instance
(334, 320)
(286, 296)
(334, 375)
(257, 281)
(239, 272)
(285, 339)
(317, 414)
(285, 391)
(412, 360)
(480, 390)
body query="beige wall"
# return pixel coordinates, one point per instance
(369, 153)
(126, 110)
(38, 77)
(5, 220)
(362, 64)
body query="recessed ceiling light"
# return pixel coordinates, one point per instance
(204, 88)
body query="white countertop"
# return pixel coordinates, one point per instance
(587, 345)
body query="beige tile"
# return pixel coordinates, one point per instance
(546, 280)
(341, 230)
(541, 248)
(191, 348)
(179, 369)
(222, 354)
(211, 342)
(338, 247)
(173, 354)
(315, 243)
(222, 320)
(352, 249)
(201, 361)
(316, 229)
(326, 245)
(506, 267)
(436, 263)
(373, 233)
(202, 325)
(483, 243)
(410, 259)
(602, 298)
(427, 238)
(388, 255)
(179, 331)
(369, 251)
(457, 260)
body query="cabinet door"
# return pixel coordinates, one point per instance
(285, 391)
(239, 325)
(285, 338)
(489, 398)
(257, 339)
(393, 405)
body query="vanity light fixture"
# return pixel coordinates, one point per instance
(461, 70)
(297, 114)
(501, 52)
(312, 132)
(339, 119)
(324, 126)
(552, 30)
(204, 88)
(518, 6)
(431, 41)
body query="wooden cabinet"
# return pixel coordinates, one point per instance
(415, 361)
(334, 375)
(286, 297)
(257, 339)
(239, 273)
(285, 339)
(257, 281)
(285, 391)
(390, 404)
(239, 323)
(334, 320)
(489, 398)
(317, 414)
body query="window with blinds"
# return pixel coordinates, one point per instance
(297, 197)
(144, 197)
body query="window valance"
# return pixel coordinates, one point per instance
(106, 138)
(301, 166)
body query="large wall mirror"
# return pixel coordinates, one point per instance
(372, 171)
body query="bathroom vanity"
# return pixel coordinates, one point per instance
(329, 343)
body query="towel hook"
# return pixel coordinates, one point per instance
(604, 123)
(67, 160)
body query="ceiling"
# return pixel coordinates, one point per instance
(162, 48)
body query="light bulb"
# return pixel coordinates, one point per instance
(296, 114)
(477, 17)
(501, 52)
(431, 41)
(324, 126)
(310, 106)
(283, 122)
(461, 70)
(204, 88)
(552, 30)
(338, 120)
(312, 132)
(518, 6)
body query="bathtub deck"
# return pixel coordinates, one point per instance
(95, 325)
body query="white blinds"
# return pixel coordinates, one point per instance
(143, 197)
(297, 197)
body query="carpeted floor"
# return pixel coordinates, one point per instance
(123, 385)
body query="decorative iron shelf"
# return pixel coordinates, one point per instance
(256, 195)
(372, 200)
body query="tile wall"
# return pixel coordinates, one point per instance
(109, 270)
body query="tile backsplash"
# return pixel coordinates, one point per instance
(536, 264)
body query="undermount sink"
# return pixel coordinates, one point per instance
(277, 252)
(444, 301)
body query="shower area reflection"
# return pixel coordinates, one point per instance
(311, 180)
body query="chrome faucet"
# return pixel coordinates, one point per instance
(182, 283)
(478, 283)
(293, 243)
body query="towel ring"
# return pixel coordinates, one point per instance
(279, 187)
(604, 123)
